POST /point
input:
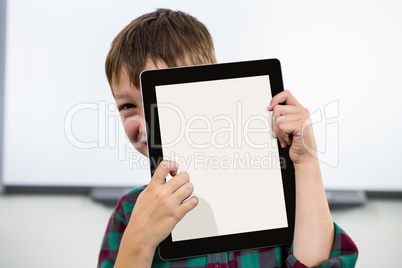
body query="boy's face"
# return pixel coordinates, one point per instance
(129, 104)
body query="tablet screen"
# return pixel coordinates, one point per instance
(219, 131)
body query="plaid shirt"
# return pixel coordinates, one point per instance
(344, 251)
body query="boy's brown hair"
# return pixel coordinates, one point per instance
(173, 37)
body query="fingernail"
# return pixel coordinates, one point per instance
(269, 106)
(273, 134)
(283, 145)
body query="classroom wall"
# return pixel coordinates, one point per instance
(341, 60)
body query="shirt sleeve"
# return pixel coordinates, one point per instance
(344, 253)
(115, 228)
(112, 238)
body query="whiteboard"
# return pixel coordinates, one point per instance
(342, 60)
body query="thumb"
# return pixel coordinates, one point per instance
(165, 167)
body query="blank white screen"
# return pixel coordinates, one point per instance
(228, 151)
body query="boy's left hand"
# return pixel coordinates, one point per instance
(291, 124)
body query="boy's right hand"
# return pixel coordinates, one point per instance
(160, 205)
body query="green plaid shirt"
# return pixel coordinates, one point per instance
(344, 251)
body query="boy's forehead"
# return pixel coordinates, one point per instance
(153, 64)
(123, 82)
(122, 85)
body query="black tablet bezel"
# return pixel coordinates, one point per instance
(149, 79)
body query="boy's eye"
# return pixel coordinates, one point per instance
(126, 106)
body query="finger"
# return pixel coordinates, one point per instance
(279, 136)
(184, 191)
(288, 126)
(165, 167)
(275, 131)
(188, 205)
(284, 138)
(279, 110)
(177, 181)
(283, 97)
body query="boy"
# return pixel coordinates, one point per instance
(164, 39)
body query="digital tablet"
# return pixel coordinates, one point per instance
(213, 121)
